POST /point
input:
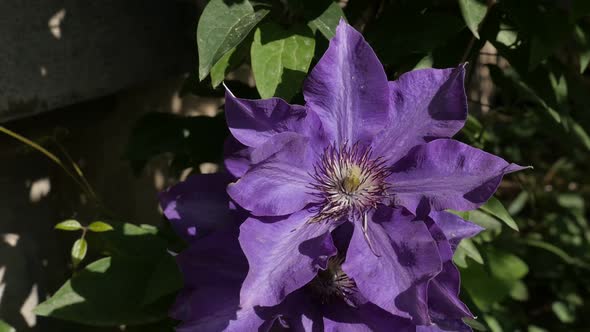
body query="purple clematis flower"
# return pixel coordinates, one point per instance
(359, 145)
(215, 267)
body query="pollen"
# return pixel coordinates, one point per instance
(348, 182)
(352, 180)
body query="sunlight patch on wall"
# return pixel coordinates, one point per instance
(39, 189)
(54, 23)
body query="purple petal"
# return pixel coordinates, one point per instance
(367, 317)
(278, 182)
(443, 291)
(348, 89)
(303, 312)
(425, 104)
(284, 255)
(455, 228)
(395, 280)
(237, 157)
(198, 205)
(447, 174)
(252, 122)
(210, 300)
(458, 326)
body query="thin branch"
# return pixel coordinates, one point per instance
(49, 155)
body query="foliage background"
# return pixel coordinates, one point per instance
(529, 91)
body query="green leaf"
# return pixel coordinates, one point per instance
(222, 26)
(326, 23)
(165, 280)
(107, 292)
(510, 76)
(494, 207)
(473, 12)
(486, 221)
(99, 226)
(484, 288)
(534, 328)
(507, 37)
(474, 324)
(219, 70)
(518, 203)
(493, 323)
(69, 225)
(79, 250)
(563, 313)
(280, 59)
(519, 291)
(506, 266)
(567, 258)
(466, 249)
(5, 327)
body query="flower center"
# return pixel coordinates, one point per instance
(333, 284)
(348, 182)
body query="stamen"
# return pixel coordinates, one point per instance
(348, 182)
(333, 284)
(366, 234)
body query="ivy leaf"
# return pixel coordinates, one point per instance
(326, 23)
(494, 207)
(219, 70)
(99, 226)
(280, 59)
(79, 250)
(166, 279)
(105, 293)
(69, 225)
(473, 12)
(222, 26)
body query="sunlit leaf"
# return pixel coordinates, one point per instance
(4, 327)
(473, 12)
(280, 59)
(79, 250)
(506, 266)
(222, 26)
(563, 313)
(474, 324)
(519, 291)
(99, 226)
(107, 292)
(219, 70)
(326, 23)
(494, 207)
(69, 225)
(465, 249)
(484, 288)
(486, 221)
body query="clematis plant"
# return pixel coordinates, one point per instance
(363, 151)
(214, 268)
